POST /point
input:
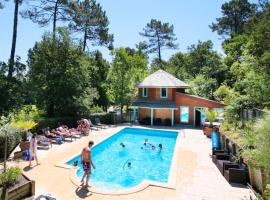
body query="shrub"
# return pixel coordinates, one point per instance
(14, 137)
(211, 115)
(9, 177)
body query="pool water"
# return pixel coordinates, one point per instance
(111, 160)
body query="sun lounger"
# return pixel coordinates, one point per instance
(92, 126)
(42, 141)
(98, 123)
(235, 173)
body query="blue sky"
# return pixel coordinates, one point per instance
(191, 20)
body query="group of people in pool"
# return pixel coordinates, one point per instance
(146, 145)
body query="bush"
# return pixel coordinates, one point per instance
(9, 177)
(105, 118)
(14, 137)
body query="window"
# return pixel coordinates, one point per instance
(184, 114)
(163, 92)
(144, 92)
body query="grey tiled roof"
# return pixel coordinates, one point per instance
(154, 104)
(162, 79)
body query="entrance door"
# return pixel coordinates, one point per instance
(197, 118)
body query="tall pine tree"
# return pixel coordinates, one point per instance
(89, 20)
(44, 12)
(160, 36)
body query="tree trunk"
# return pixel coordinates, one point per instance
(14, 38)
(55, 19)
(85, 38)
(159, 51)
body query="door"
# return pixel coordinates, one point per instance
(197, 118)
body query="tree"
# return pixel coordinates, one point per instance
(14, 37)
(160, 35)
(45, 11)
(60, 76)
(235, 13)
(91, 21)
(125, 72)
(203, 86)
(98, 73)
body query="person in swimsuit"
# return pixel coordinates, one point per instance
(33, 150)
(87, 163)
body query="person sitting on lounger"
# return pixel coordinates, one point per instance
(61, 131)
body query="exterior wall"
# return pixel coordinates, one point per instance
(143, 112)
(192, 102)
(154, 94)
(162, 113)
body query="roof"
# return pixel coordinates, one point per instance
(155, 104)
(198, 97)
(162, 79)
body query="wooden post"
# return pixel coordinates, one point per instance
(152, 116)
(172, 117)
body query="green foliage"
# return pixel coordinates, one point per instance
(211, 115)
(126, 71)
(235, 13)
(203, 87)
(91, 21)
(98, 78)
(160, 35)
(45, 12)
(261, 141)
(14, 137)
(9, 177)
(60, 73)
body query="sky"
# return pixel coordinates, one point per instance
(191, 20)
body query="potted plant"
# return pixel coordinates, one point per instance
(15, 185)
(211, 115)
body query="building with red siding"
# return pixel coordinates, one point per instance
(162, 100)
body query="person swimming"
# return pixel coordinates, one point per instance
(129, 164)
(160, 147)
(75, 164)
(145, 142)
(122, 145)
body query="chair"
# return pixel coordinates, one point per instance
(92, 126)
(167, 122)
(219, 159)
(235, 173)
(42, 141)
(158, 121)
(98, 123)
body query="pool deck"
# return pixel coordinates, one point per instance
(197, 177)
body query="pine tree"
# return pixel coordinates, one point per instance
(235, 15)
(160, 35)
(17, 3)
(46, 11)
(91, 21)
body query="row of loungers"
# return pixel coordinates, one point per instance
(235, 172)
(53, 136)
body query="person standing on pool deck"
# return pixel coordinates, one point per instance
(87, 162)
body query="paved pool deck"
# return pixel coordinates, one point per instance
(197, 177)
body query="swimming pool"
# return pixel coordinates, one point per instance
(111, 160)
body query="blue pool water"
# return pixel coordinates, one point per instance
(111, 159)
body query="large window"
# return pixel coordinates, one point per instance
(184, 114)
(163, 92)
(144, 92)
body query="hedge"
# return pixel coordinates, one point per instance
(13, 139)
